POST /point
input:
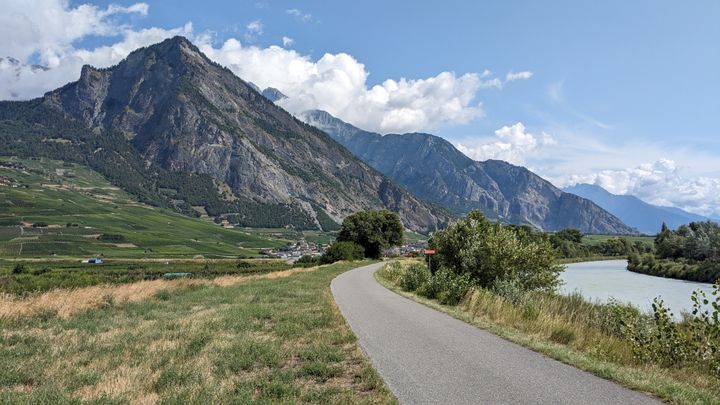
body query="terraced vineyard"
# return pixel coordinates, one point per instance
(58, 209)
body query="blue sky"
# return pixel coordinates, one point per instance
(620, 93)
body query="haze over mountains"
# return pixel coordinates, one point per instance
(645, 217)
(433, 169)
(188, 132)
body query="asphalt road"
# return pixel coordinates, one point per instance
(427, 357)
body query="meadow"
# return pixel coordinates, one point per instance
(272, 338)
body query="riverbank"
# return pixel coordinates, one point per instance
(589, 336)
(570, 260)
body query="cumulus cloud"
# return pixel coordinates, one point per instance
(337, 83)
(47, 28)
(299, 14)
(662, 183)
(512, 76)
(515, 144)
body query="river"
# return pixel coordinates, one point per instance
(600, 281)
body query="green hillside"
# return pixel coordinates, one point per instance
(50, 207)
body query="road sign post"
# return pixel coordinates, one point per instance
(429, 253)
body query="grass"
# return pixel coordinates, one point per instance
(591, 239)
(58, 194)
(44, 275)
(568, 260)
(267, 339)
(573, 331)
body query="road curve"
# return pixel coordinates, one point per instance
(427, 357)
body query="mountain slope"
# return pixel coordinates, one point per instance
(433, 169)
(645, 217)
(179, 114)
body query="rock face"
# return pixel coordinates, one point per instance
(645, 217)
(184, 113)
(433, 169)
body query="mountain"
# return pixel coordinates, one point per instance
(433, 169)
(191, 133)
(645, 217)
(273, 94)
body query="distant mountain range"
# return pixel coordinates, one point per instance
(645, 217)
(433, 169)
(174, 128)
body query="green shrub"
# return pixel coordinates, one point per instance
(562, 335)
(308, 261)
(449, 288)
(393, 271)
(511, 290)
(342, 251)
(491, 252)
(19, 268)
(162, 295)
(414, 277)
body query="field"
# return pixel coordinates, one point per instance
(590, 239)
(22, 278)
(77, 213)
(268, 339)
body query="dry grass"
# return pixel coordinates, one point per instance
(273, 338)
(65, 303)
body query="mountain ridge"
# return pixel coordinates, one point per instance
(433, 169)
(186, 116)
(646, 217)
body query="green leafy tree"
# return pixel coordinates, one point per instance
(570, 234)
(342, 251)
(373, 230)
(492, 253)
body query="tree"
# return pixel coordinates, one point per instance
(570, 234)
(342, 251)
(373, 230)
(492, 253)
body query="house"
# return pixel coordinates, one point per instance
(93, 260)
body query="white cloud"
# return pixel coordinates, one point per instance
(299, 14)
(337, 83)
(253, 30)
(515, 145)
(48, 28)
(287, 41)
(662, 183)
(512, 76)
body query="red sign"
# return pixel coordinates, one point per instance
(429, 251)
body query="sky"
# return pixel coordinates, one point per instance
(623, 94)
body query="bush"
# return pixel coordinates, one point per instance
(308, 261)
(342, 251)
(490, 252)
(393, 271)
(511, 290)
(162, 295)
(449, 288)
(112, 237)
(414, 277)
(19, 268)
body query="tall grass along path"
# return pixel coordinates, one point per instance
(429, 357)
